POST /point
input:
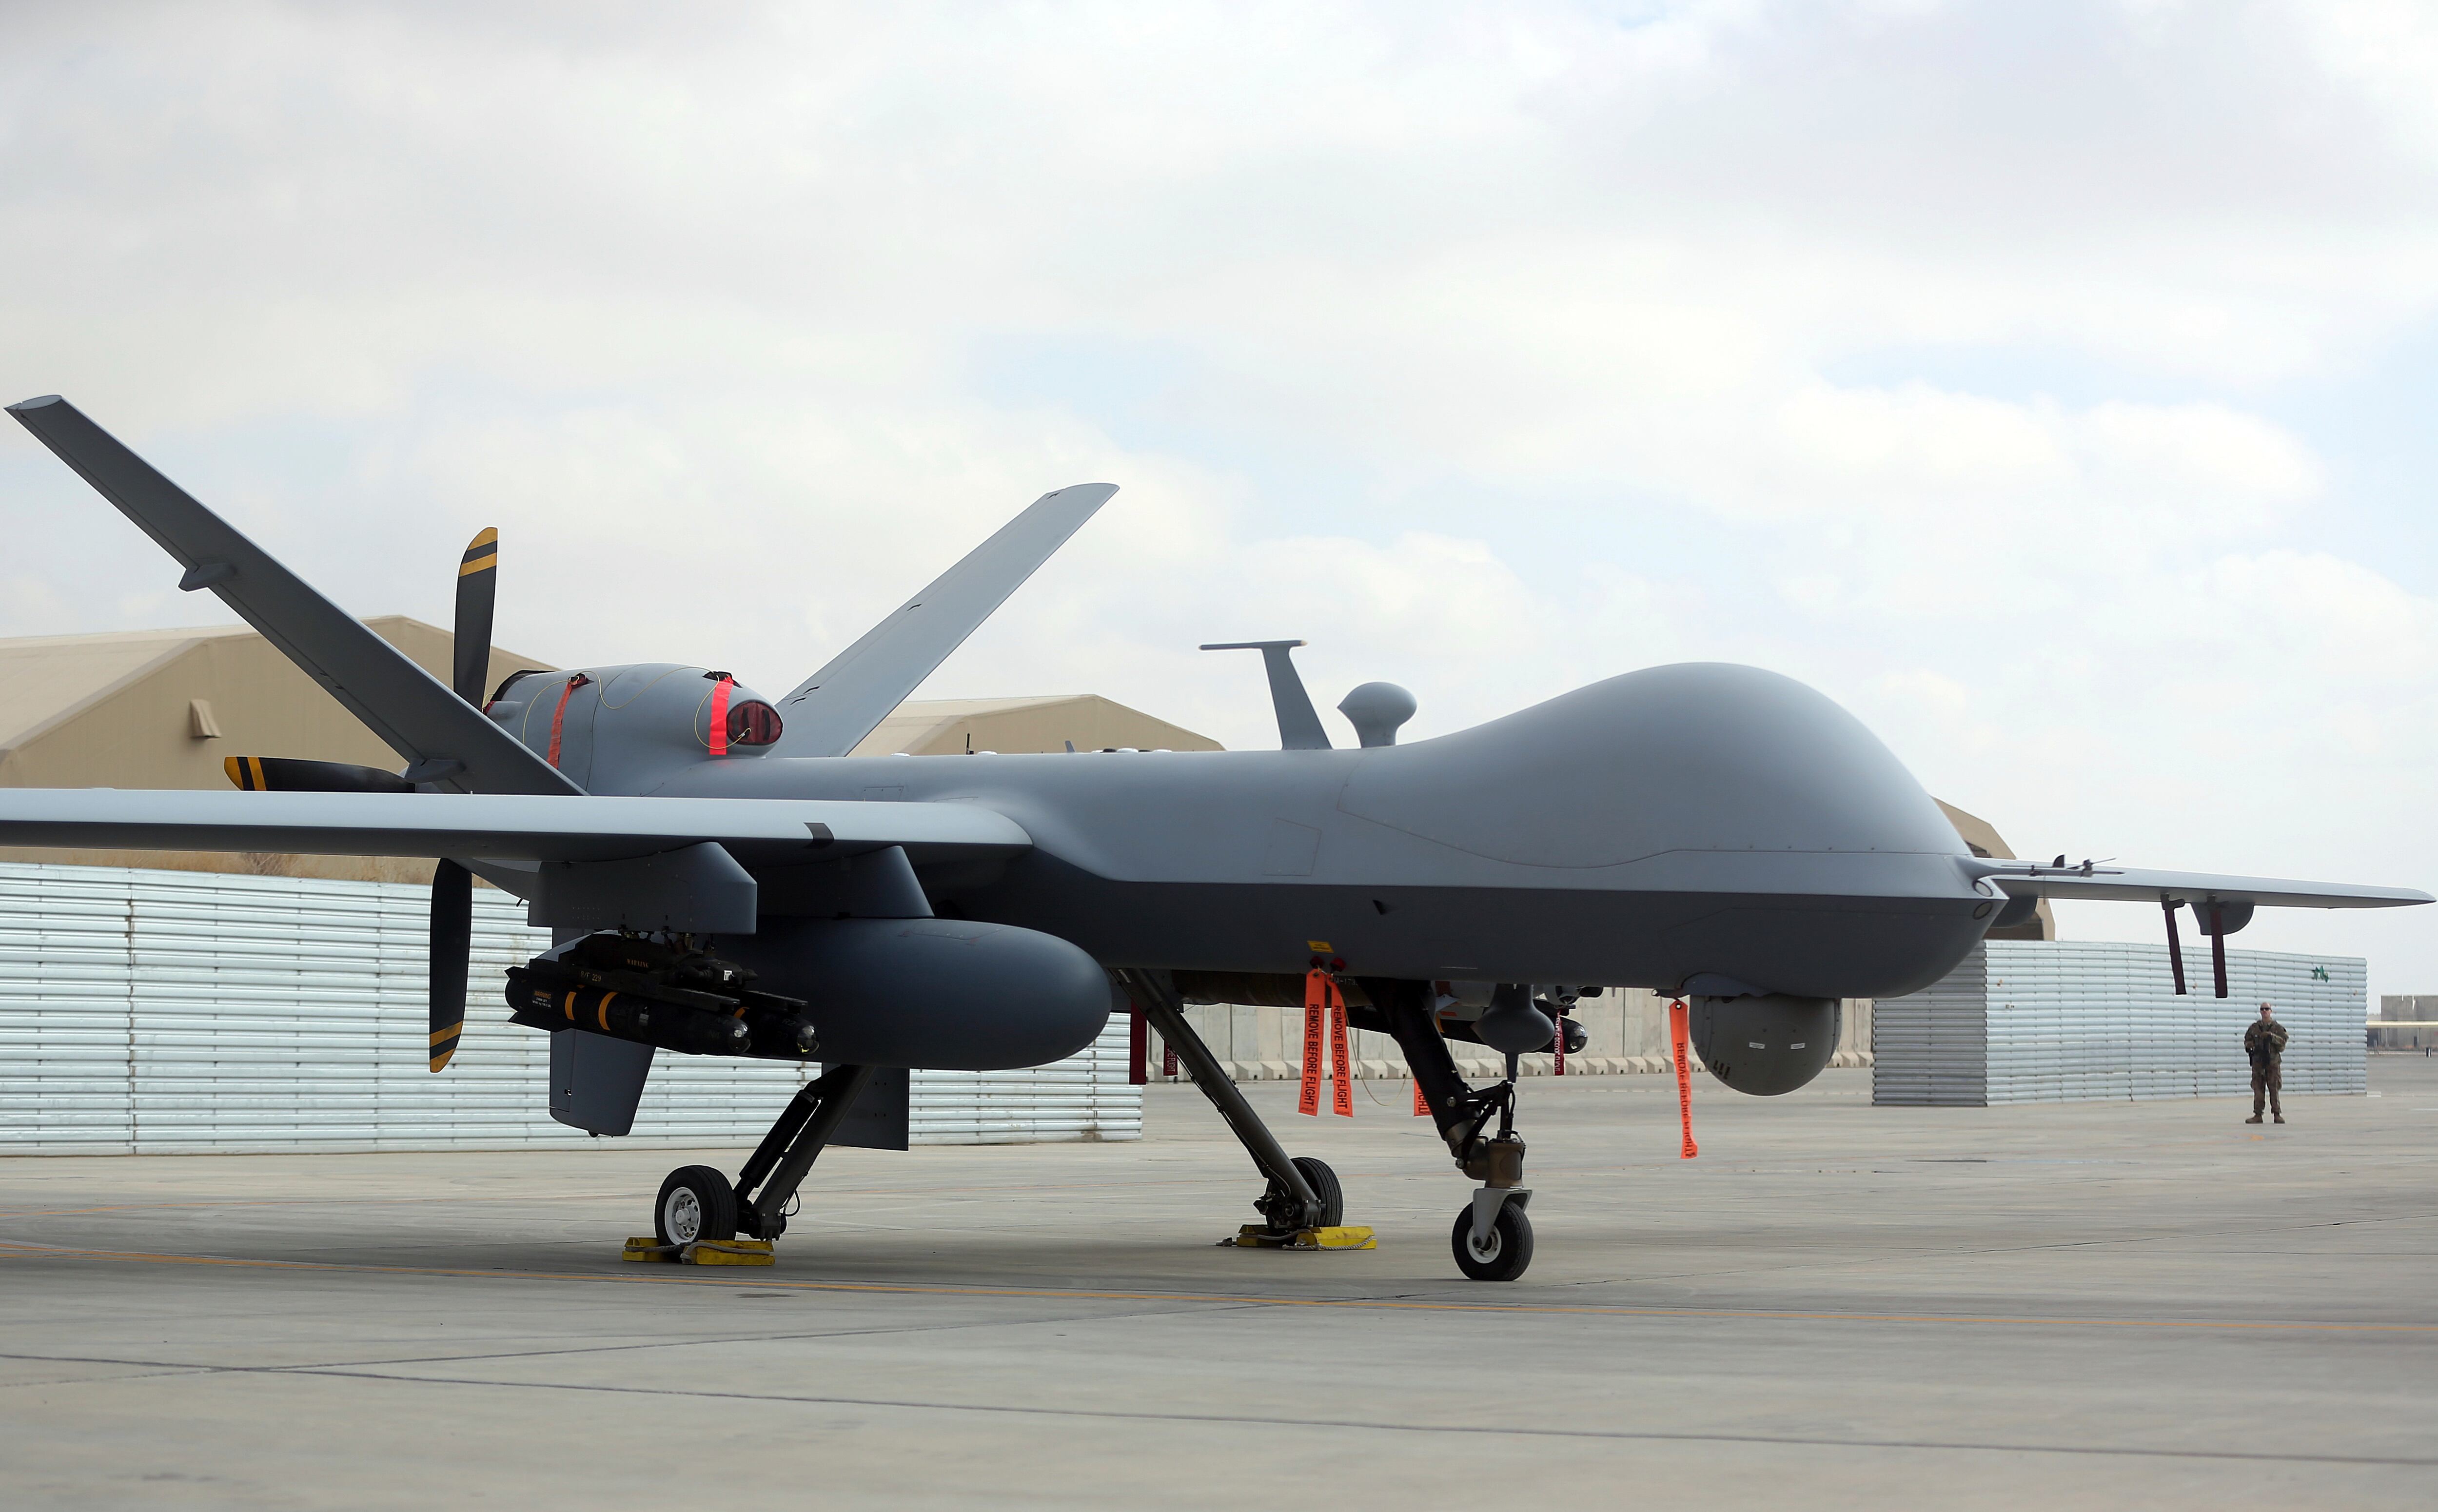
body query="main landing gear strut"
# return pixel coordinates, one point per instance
(1303, 1192)
(697, 1205)
(1493, 1238)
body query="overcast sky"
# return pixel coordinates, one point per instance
(2050, 384)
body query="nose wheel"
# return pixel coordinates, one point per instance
(1502, 1253)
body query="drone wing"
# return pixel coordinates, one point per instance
(414, 713)
(580, 861)
(496, 827)
(2221, 905)
(844, 702)
(2198, 887)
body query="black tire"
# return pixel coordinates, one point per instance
(1324, 1186)
(1508, 1253)
(696, 1197)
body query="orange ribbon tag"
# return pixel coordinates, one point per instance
(1340, 1066)
(1316, 1000)
(1422, 1103)
(1678, 1036)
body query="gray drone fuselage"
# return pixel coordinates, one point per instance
(1701, 821)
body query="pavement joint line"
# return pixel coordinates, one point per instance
(176, 1367)
(19, 1250)
(1247, 1420)
(164, 1372)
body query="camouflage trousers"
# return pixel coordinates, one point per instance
(2267, 1081)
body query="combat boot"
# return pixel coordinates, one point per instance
(2281, 1118)
(2255, 1118)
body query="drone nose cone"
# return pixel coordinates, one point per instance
(1698, 757)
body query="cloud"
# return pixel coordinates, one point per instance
(1975, 362)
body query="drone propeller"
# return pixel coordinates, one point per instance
(282, 774)
(453, 886)
(478, 582)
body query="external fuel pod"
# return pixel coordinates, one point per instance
(934, 994)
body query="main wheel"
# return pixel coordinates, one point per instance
(697, 1204)
(1324, 1186)
(1503, 1256)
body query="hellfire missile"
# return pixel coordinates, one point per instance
(626, 1016)
(748, 1029)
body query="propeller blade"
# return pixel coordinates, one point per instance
(478, 584)
(453, 886)
(453, 941)
(281, 774)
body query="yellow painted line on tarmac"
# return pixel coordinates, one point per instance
(10, 1249)
(8, 1215)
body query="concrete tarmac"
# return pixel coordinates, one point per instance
(1835, 1306)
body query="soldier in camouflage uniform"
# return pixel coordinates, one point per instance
(2265, 1042)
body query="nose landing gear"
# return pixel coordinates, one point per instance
(1491, 1238)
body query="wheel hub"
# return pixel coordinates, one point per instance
(684, 1216)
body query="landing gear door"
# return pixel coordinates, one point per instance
(883, 1114)
(595, 1081)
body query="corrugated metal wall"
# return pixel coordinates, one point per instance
(1084, 1097)
(163, 1011)
(2065, 1021)
(1932, 1047)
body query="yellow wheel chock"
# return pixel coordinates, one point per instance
(1344, 1236)
(708, 1252)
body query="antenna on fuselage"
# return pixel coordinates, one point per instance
(1298, 723)
(1377, 711)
